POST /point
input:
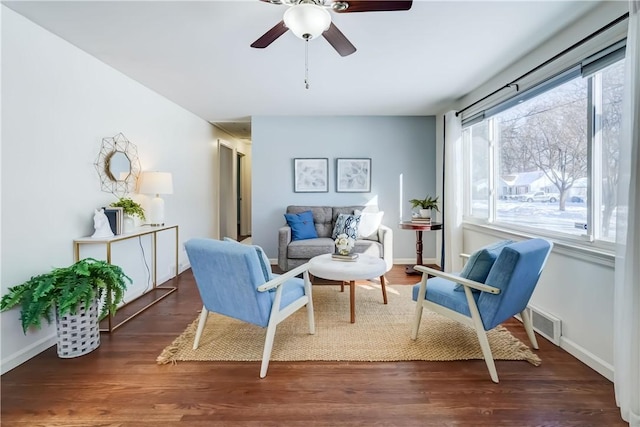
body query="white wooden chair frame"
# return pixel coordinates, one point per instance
(277, 315)
(475, 321)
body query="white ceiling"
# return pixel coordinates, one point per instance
(197, 54)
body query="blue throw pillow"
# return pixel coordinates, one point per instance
(479, 264)
(302, 226)
(347, 224)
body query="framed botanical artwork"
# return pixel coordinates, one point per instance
(311, 175)
(353, 175)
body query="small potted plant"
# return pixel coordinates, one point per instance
(426, 205)
(133, 211)
(74, 293)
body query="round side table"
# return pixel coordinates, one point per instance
(419, 228)
(363, 268)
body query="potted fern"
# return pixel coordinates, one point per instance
(74, 293)
(426, 205)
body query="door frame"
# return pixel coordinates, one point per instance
(227, 210)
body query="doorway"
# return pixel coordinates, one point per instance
(227, 193)
(242, 211)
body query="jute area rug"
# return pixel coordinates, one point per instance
(381, 333)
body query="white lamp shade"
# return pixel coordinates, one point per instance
(155, 183)
(307, 21)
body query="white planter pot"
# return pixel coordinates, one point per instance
(78, 334)
(129, 224)
(425, 213)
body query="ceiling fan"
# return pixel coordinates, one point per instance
(308, 19)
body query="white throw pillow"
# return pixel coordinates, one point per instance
(369, 224)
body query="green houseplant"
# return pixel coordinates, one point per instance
(129, 207)
(69, 291)
(426, 205)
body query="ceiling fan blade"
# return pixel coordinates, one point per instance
(338, 40)
(374, 5)
(270, 36)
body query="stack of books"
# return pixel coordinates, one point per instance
(420, 220)
(350, 257)
(116, 219)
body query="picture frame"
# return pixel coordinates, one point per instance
(311, 175)
(353, 175)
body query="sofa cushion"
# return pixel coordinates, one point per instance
(349, 210)
(369, 224)
(442, 292)
(306, 249)
(301, 225)
(346, 224)
(479, 264)
(322, 217)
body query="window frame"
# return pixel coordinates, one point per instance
(589, 68)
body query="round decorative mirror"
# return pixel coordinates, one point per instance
(118, 165)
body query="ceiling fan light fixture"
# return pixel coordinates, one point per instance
(307, 21)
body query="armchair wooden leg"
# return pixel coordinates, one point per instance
(309, 293)
(528, 327)
(416, 320)
(312, 322)
(268, 346)
(486, 352)
(419, 306)
(203, 320)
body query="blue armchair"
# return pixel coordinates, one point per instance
(504, 277)
(235, 280)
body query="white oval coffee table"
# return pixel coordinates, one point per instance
(363, 268)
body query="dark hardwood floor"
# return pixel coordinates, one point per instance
(120, 384)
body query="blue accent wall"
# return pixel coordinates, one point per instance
(397, 146)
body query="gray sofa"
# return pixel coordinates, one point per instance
(291, 254)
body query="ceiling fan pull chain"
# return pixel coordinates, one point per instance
(306, 64)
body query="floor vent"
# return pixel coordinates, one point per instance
(545, 324)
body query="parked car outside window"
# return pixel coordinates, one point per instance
(540, 196)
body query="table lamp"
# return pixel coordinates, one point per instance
(156, 183)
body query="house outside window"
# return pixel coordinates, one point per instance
(547, 163)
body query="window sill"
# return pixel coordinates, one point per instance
(584, 252)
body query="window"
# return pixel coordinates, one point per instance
(477, 140)
(547, 161)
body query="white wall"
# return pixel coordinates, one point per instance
(57, 105)
(576, 286)
(396, 145)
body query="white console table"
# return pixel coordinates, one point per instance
(141, 231)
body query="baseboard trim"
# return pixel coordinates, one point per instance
(182, 268)
(591, 360)
(412, 261)
(18, 358)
